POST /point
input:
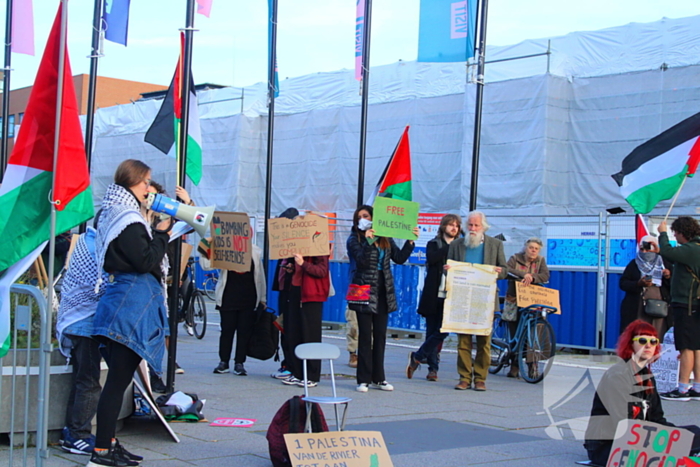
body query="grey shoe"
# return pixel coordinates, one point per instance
(239, 369)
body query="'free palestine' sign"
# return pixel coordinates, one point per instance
(394, 218)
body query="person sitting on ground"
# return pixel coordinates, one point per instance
(528, 267)
(238, 294)
(432, 300)
(646, 274)
(628, 390)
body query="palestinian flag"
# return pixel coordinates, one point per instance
(396, 179)
(27, 183)
(655, 170)
(640, 228)
(165, 129)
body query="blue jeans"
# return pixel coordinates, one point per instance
(85, 358)
(433, 338)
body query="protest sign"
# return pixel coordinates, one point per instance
(666, 368)
(471, 297)
(231, 246)
(532, 294)
(428, 226)
(645, 444)
(307, 236)
(394, 218)
(335, 448)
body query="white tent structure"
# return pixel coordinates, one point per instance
(555, 127)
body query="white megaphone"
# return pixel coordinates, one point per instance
(198, 217)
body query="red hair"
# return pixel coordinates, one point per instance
(635, 328)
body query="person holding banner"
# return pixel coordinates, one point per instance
(371, 294)
(628, 391)
(131, 317)
(477, 248)
(528, 267)
(302, 322)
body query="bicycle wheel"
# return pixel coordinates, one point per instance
(499, 339)
(197, 314)
(536, 350)
(209, 287)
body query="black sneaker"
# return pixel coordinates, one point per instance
(676, 395)
(221, 368)
(157, 385)
(693, 394)
(110, 458)
(119, 450)
(239, 369)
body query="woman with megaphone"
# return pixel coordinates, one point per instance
(131, 317)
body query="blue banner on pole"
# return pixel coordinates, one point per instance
(447, 30)
(116, 20)
(270, 6)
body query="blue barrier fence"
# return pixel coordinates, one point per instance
(576, 326)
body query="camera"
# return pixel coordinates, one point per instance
(646, 245)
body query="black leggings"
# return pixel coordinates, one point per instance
(122, 362)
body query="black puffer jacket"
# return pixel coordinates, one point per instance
(366, 258)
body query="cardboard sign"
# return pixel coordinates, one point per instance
(537, 295)
(336, 448)
(234, 422)
(231, 245)
(645, 444)
(307, 236)
(394, 218)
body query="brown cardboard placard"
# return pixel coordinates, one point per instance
(537, 295)
(646, 444)
(306, 235)
(331, 448)
(231, 246)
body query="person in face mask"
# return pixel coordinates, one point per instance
(645, 277)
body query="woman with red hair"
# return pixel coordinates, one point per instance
(627, 390)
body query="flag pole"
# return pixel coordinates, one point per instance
(4, 140)
(481, 57)
(272, 18)
(675, 197)
(92, 84)
(366, 30)
(186, 74)
(47, 325)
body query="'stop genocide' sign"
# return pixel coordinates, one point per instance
(307, 236)
(231, 243)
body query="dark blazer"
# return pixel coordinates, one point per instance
(366, 258)
(436, 258)
(493, 255)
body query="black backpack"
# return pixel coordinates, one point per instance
(265, 336)
(291, 418)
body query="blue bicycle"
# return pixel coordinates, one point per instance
(533, 344)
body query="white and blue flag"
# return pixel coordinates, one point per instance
(447, 30)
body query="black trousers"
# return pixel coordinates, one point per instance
(372, 340)
(234, 322)
(302, 324)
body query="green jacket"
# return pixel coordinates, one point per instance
(683, 286)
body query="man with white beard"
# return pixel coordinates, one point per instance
(477, 248)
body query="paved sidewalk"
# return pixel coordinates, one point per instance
(424, 423)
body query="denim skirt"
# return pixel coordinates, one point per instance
(132, 312)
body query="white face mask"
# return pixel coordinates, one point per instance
(364, 224)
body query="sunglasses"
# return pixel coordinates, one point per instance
(645, 340)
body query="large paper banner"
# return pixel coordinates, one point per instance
(336, 448)
(471, 295)
(645, 444)
(394, 218)
(231, 244)
(532, 294)
(307, 236)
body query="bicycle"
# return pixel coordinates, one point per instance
(209, 284)
(192, 307)
(533, 344)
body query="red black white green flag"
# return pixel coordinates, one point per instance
(396, 180)
(654, 171)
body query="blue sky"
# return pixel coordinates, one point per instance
(314, 35)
